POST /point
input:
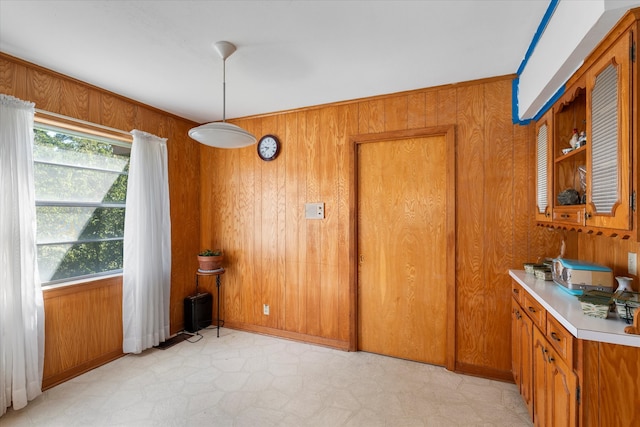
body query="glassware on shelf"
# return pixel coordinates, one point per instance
(582, 172)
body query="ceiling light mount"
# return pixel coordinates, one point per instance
(222, 134)
(224, 49)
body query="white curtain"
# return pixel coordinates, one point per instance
(21, 305)
(147, 246)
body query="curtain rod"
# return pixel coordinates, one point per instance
(83, 122)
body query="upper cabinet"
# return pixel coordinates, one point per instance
(609, 145)
(585, 171)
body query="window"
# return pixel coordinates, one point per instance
(81, 188)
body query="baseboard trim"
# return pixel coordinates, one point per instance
(63, 376)
(484, 372)
(294, 336)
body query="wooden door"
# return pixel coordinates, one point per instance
(544, 168)
(526, 360)
(516, 344)
(522, 354)
(540, 354)
(562, 382)
(608, 144)
(405, 241)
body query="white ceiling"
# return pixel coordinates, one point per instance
(290, 53)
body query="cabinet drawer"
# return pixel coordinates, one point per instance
(536, 312)
(517, 292)
(560, 339)
(569, 215)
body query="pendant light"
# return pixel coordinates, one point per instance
(222, 134)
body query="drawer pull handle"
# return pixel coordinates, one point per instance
(531, 309)
(555, 336)
(551, 359)
(515, 291)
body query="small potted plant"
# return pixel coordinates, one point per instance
(210, 259)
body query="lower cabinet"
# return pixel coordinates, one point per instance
(555, 386)
(545, 379)
(522, 365)
(565, 381)
(610, 385)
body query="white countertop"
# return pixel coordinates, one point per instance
(567, 310)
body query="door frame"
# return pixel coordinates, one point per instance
(450, 139)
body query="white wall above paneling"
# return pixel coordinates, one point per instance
(291, 54)
(574, 30)
(294, 54)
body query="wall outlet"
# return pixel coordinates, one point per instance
(314, 210)
(632, 263)
(265, 309)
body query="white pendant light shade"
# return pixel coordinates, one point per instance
(222, 135)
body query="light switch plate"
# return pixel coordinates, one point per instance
(314, 210)
(632, 263)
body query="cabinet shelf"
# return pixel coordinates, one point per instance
(571, 154)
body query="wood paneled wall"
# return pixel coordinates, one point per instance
(83, 328)
(304, 269)
(254, 210)
(83, 325)
(609, 251)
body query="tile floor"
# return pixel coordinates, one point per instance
(244, 379)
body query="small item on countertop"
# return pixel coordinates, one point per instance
(626, 304)
(635, 328)
(624, 284)
(529, 267)
(546, 261)
(577, 276)
(543, 273)
(596, 303)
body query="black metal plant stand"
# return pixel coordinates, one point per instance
(219, 272)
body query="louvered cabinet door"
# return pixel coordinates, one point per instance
(609, 139)
(544, 168)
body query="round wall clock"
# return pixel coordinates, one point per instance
(268, 147)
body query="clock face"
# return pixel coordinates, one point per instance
(268, 147)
